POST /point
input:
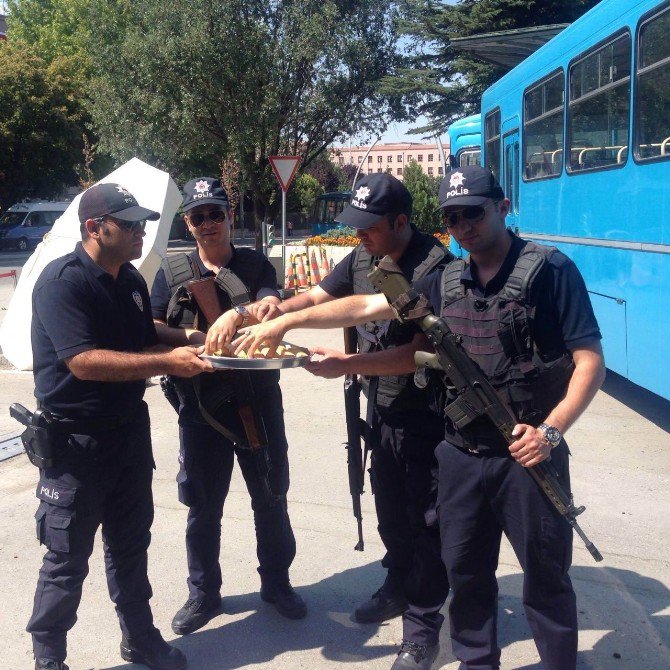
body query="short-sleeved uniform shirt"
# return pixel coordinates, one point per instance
(564, 317)
(77, 307)
(262, 286)
(340, 282)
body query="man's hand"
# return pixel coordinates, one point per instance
(221, 332)
(531, 447)
(264, 311)
(327, 363)
(184, 362)
(268, 333)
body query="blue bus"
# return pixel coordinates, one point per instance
(465, 141)
(326, 208)
(579, 136)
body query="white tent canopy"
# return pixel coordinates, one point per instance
(153, 189)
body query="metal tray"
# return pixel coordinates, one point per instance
(228, 363)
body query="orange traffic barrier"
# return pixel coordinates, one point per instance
(307, 269)
(314, 267)
(302, 277)
(289, 280)
(325, 270)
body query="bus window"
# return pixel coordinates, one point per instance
(492, 142)
(599, 107)
(469, 157)
(543, 106)
(652, 109)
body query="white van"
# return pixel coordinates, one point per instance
(24, 225)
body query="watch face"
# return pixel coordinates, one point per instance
(552, 434)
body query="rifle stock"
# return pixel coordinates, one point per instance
(476, 396)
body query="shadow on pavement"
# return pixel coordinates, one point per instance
(621, 606)
(649, 405)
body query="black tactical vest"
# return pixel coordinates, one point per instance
(398, 393)
(233, 289)
(497, 333)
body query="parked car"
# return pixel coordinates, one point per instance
(24, 225)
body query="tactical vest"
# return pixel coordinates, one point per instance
(497, 333)
(398, 393)
(233, 288)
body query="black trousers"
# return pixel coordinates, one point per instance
(480, 497)
(103, 479)
(404, 480)
(206, 466)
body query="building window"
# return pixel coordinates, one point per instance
(370, 171)
(440, 170)
(420, 158)
(389, 159)
(340, 160)
(380, 169)
(351, 160)
(599, 107)
(399, 171)
(430, 171)
(389, 170)
(399, 158)
(379, 159)
(369, 159)
(360, 159)
(543, 107)
(430, 158)
(410, 158)
(652, 125)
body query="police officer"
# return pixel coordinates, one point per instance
(91, 336)
(211, 437)
(406, 424)
(523, 314)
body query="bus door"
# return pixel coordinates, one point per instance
(510, 175)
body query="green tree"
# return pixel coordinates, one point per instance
(199, 80)
(40, 126)
(425, 208)
(444, 83)
(303, 194)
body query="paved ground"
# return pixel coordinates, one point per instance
(620, 469)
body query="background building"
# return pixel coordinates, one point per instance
(3, 27)
(392, 158)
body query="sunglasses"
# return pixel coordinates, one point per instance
(215, 216)
(124, 225)
(473, 214)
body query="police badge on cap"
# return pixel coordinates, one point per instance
(203, 191)
(467, 186)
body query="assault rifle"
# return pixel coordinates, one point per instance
(356, 429)
(476, 396)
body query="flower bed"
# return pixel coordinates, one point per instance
(348, 240)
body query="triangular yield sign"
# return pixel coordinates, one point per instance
(285, 168)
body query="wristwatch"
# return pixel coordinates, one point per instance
(244, 313)
(551, 435)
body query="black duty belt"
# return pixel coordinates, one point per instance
(68, 426)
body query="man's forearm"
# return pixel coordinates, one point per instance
(105, 365)
(178, 337)
(396, 361)
(586, 379)
(315, 296)
(350, 311)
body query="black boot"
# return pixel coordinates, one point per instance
(287, 602)
(386, 603)
(195, 613)
(48, 664)
(414, 656)
(151, 649)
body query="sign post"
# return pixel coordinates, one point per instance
(284, 168)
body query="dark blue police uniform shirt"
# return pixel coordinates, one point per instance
(78, 306)
(340, 282)
(564, 316)
(262, 286)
